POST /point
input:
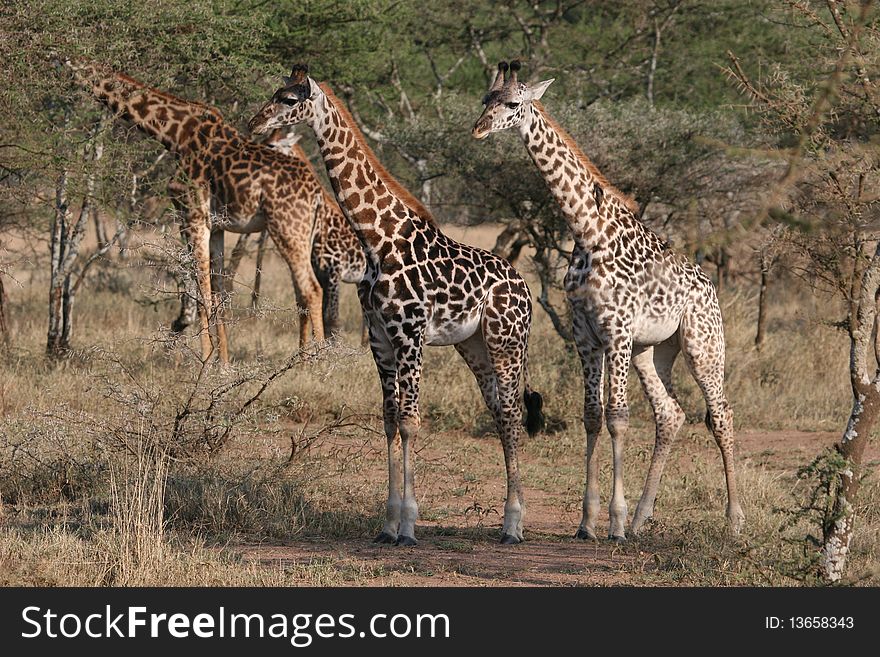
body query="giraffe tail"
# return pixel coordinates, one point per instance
(535, 420)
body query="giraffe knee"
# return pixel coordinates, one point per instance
(669, 419)
(409, 427)
(618, 420)
(593, 417)
(719, 419)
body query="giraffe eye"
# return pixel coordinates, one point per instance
(288, 101)
(512, 105)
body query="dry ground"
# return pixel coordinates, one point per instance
(462, 485)
(248, 516)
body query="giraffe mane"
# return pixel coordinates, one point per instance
(567, 139)
(393, 185)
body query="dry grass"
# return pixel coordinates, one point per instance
(89, 501)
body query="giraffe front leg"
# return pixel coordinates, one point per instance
(383, 354)
(617, 416)
(592, 361)
(198, 237)
(409, 372)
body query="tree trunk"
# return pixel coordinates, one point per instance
(839, 528)
(865, 380)
(762, 302)
(64, 245)
(509, 243)
(4, 330)
(55, 346)
(258, 275)
(100, 229)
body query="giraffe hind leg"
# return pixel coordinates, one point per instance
(305, 284)
(654, 367)
(476, 355)
(506, 344)
(703, 348)
(218, 292)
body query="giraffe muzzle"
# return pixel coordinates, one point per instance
(258, 125)
(481, 130)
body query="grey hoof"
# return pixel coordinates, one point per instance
(586, 535)
(406, 541)
(617, 539)
(386, 538)
(510, 539)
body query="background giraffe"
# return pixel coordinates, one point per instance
(632, 300)
(420, 288)
(337, 254)
(224, 182)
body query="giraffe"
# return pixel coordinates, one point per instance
(633, 300)
(421, 288)
(337, 254)
(225, 182)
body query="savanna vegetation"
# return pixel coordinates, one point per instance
(745, 129)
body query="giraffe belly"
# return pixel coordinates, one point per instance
(654, 330)
(234, 224)
(448, 331)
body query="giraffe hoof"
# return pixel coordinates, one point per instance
(510, 539)
(586, 535)
(637, 526)
(617, 539)
(386, 538)
(406, 541)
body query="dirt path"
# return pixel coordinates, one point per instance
(458, 547)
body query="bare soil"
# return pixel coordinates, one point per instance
(461, 549)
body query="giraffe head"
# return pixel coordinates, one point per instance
(506, 101)
(291, 104)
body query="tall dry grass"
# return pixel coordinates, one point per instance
(90, 500)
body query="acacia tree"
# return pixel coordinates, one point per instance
(828, 127)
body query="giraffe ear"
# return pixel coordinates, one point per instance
(535, 91)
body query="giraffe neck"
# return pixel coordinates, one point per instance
(175, 122)
(587, 199)
(377, 208)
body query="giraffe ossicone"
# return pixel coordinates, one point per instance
(633, 301)
(420, 288)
